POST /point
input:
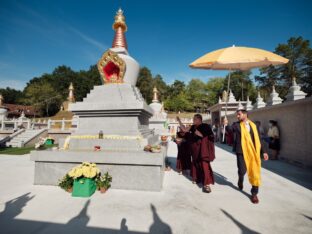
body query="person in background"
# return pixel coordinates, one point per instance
(274, 139)
(184, 155)
(215, 129)
(261, 130)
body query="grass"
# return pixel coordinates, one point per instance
(21, 151)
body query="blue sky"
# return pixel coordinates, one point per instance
(37, 36)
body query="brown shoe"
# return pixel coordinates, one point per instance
(206, 189)
(254, 199)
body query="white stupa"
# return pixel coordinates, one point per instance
(259, 102)
(159, 118)
(121, 68)
(295, 92)
(3, 110)
(249, 105)
(274, 98)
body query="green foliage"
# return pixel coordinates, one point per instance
(12, 96)
(43, 96)
(176, 88)
(66, 182)
(103, 181)
(47, 92)
(196, 94)
(214, 88)
(299, 53)
(178, 103)
(145, 84)
(241, 85)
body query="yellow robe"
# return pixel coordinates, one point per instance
(251, 153)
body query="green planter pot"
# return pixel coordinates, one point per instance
(49, 142)
(83, 187)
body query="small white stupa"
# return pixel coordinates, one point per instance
(274, 98)
(159, 118)
(295, 92)
(259, 102)
(249, 105)
(231, 97)
(3, 109)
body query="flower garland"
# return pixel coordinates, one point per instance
(107, 137)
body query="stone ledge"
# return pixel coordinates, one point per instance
(131, 170)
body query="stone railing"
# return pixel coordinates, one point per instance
(15, 123)
(10, 124)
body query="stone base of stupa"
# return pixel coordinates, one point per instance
(120, 112)
(131, 170)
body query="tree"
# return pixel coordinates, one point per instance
(145, 84)
(196, 93)
(44, 97)
(214, 89)
(299, 53)
(176, 88)
(178, 103)
(241, 85)
(12, 96)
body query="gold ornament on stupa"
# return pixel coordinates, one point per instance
(1, 100)
(111, 67)
(71, 97)
(155, 95)
(120, 28)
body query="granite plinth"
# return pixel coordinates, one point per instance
(132, 170)
(114, 109)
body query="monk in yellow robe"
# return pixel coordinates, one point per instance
(248, 147)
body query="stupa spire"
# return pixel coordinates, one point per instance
(155, 95)
(120, 28)
(1, 100)
(71, 97)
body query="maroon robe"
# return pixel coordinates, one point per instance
(184, 157)
(203, 152)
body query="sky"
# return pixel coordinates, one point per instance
(39, 35)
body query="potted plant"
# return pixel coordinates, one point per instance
(66, 183)
(84, 179)
(103, 182)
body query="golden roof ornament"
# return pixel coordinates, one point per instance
(1, 100)
(71, 97)
(111, 67)
(120, 28)
(155, 95)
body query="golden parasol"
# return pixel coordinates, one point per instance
(237, 58)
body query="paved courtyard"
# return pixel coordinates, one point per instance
(285, 203)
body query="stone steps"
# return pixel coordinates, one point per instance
(23, 138)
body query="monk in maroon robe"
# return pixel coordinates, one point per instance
(184, 154)
(201, 140)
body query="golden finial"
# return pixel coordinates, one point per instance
(71, 97)
(1, 100)
(155, 96)
(120, 28)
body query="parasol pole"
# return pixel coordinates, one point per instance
(226, 104)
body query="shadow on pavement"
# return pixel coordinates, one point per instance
(308, 217)
(243, 228)
(291, 172)
(158, 225)
(221, 180)
(78, 224)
